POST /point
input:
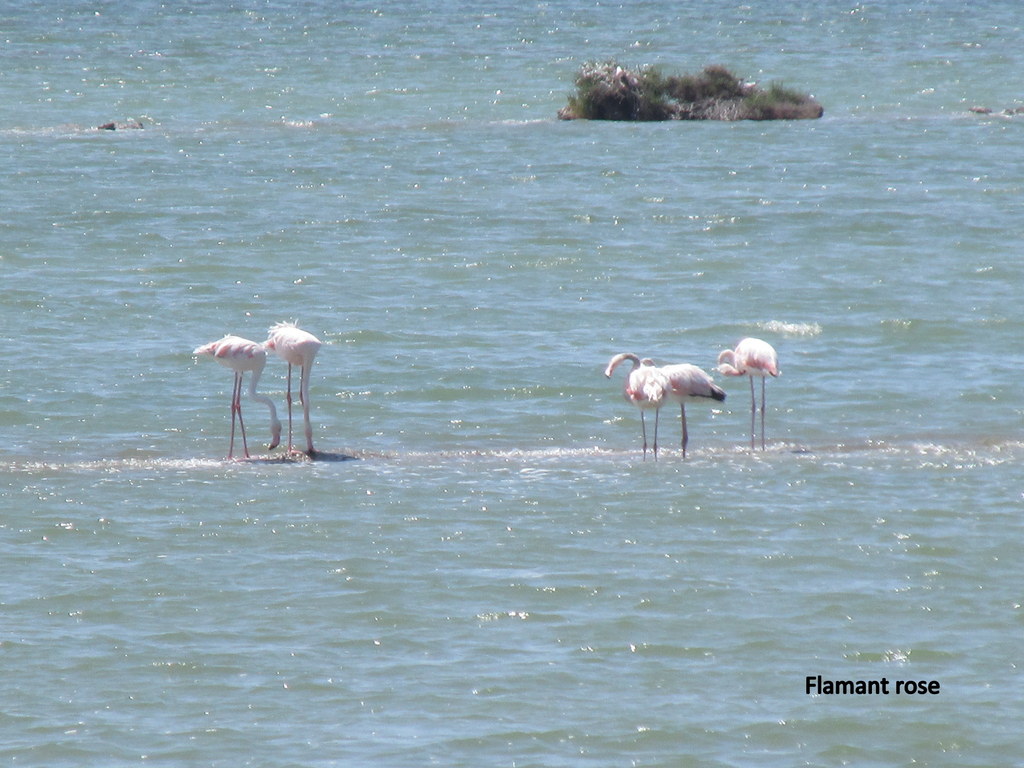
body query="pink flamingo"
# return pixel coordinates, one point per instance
(687, 381)
(296, 347)
(646, 388)
(752, 357)
(241, 355)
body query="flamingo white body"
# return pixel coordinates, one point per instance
(751, 357)
(646, 388)
(297, 348)
(685, 382)
(242, 356)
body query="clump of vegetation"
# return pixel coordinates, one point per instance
(607, 91)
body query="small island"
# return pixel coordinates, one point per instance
(607, 91)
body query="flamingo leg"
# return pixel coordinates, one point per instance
(234, 405)
(245, 445)
(238, 407)
(643, 431)
(657, 411)
(304, 397)
(753, 412)
(763, 380)
(686, 435)
(289, 399)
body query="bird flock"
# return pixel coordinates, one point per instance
(649, 386)
(293, 345)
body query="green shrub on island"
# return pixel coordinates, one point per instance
(607, 91)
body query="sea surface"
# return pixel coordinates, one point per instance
(480, 568)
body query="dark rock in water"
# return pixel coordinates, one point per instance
(130, 125)
(1009, 111)
(330, 456)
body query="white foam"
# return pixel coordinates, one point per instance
(790, 329)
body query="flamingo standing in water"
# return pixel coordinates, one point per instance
(646, 387)
(752, 357)
(687, 381)
(296, 347)
(241, 355)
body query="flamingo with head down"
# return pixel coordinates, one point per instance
(685, 382)
(646, 388)
(241, 356)
(296, 347)
(751, 357)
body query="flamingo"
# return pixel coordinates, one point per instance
(687, 381)
(752, 357)
(296, 347)
(646, 387)
(241, 355)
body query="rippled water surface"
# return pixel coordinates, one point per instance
(480, 568)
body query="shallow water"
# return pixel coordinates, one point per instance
(481, 569)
